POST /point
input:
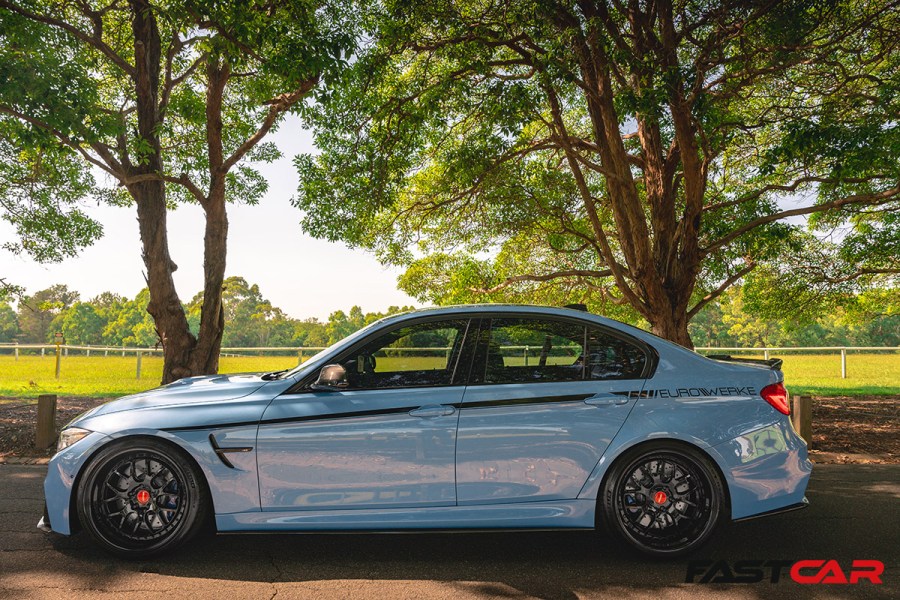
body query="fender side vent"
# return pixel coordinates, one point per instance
(223, 453)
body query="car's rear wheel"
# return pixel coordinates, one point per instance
(140, 498)
(662, 499)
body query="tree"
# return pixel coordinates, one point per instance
(9, 325)
(170, 100)
(310, 333)
(250, 319)
(130, 324)
(37, 312)
(647, 155)
(746, 329)
(80, 324)
(341, 324)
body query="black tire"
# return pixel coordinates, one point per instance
(140, 498)
(662, 499)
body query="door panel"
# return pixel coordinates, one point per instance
(359, 449)
(547, 397)
(528, 442)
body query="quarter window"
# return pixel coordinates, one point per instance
(610, 357)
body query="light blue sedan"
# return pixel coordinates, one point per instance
(472, 417)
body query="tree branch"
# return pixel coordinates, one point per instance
(791, 187)
(721, 289)
(176, 46)
(546, 277)
(588, 200)
(277, 106)
(874, 199)
(182, 179)
(113, 168)
(93, 40)
(859, 273)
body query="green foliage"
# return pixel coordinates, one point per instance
(38, 311)
(80, 324)
(40, 190)
(128, 323)
(341, 324)
(871, 318)
(9, 324)
(309, 333)
(41, 181)
(440, 153)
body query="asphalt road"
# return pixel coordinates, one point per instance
(853, 515)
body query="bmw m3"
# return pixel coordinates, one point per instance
(469, 417)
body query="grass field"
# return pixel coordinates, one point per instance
(30, 376)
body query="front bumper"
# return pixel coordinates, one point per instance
(62, 473)
(44, 523)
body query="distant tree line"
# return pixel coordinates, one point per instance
(740, 317)
(114, 320)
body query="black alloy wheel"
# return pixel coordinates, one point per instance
(140, 498)
(663, 500)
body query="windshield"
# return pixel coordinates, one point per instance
(319, 357)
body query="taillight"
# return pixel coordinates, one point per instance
(776, 395)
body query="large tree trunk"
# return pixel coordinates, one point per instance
(165, 305)
(184, 355)
(673, 326)
(662, 253)
(205, 355)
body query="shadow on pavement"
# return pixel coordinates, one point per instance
(852, 516)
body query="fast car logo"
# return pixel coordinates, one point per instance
(800, 571)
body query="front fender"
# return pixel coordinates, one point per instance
(62, 475)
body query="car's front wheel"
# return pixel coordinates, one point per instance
(139, 498)
(662, 499)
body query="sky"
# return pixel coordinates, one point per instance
(303, 276)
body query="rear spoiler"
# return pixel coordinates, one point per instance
(772, 363)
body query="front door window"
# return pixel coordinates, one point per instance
(423, 354)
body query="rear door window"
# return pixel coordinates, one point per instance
(523, 350)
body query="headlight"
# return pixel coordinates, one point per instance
(69, 436)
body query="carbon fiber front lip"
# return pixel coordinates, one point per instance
(44, 523)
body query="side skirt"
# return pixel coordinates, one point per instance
(777, 511)
(569, 514)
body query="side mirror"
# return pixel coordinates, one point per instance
(331, 378)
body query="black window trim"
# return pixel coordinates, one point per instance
(474, 324)
(651, 355)
(303, 386)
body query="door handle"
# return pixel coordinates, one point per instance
(607, 400)
(431, 411)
